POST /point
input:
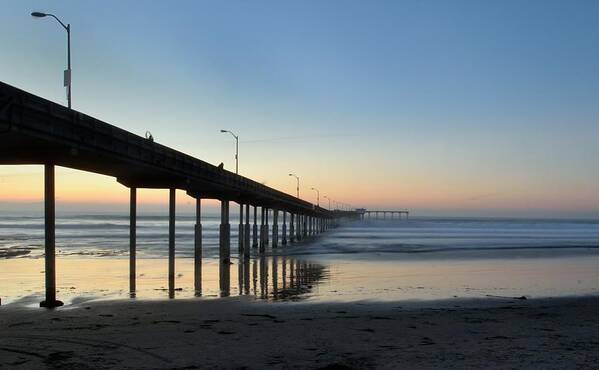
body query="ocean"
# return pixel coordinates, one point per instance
(108, 236)
(420, 258)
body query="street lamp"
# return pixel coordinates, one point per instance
(329, 202)
(236, 149)
(67, 73)
(297, 178)
(317, 197)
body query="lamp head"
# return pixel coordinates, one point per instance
(38, 14)
(223, 131)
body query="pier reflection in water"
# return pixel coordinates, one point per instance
(265, 277)
(273, 278)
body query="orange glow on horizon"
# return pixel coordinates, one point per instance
(24, 184)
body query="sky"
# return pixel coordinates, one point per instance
(484, 108)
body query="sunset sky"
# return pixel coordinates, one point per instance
(443, 107)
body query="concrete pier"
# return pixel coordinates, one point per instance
(375, 214)
(225, 249)
(171, 243)
(197, 261)
(132, 239)
(284, 230)
(43, 132)
(50, 238)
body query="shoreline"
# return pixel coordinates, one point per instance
(241, 332)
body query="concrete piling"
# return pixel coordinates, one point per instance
(240, 232)
(266, 235)
(197, 262)
(50, 238)
(298, 234)
(284, 230)
(132, 239)
(262, 236)
(225, 249)
(291, 227)
(171, 243)
(255, 230)
(305, 226)
(275, 228)
(246, 231)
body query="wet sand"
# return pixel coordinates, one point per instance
(315, 280)
(242, 332)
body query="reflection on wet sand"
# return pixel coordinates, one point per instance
(296, 277)
(264, 277)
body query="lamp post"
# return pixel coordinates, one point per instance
(236, 149)
(317, 197)
(329, 202)
(67, 73)
(297, 178)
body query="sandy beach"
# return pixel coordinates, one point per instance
(241, 332)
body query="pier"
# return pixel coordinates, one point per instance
(383, 215)
(34, 130)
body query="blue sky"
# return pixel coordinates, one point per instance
(459, 107)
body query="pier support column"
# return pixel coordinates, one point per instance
(240, 233)
(275, 228)
(132, 239)
(284, 231)
(171, 243)
(262, 236)
(299, 226)
(305, 225)
(197, 262)
(224, 250)
(50, 236)
(246, 231)
(255, 231)
(266, 235)
(291, 227)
